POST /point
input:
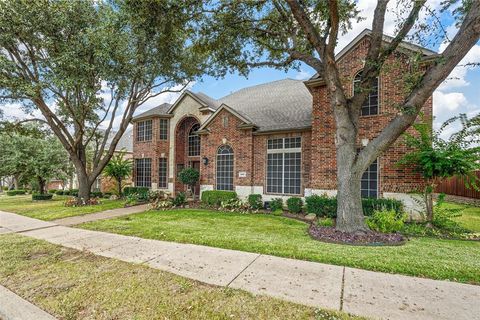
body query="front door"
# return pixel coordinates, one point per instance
(196, 165)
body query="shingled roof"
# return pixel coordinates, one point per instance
(155, 111)
(278, 105)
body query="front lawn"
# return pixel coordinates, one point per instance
(470, 218)
(73, 284)
(454, 260)
(51, 209)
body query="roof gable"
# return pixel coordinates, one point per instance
(228, 109)
(205, 101)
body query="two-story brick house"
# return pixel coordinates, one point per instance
(275, 139)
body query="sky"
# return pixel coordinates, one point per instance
(458, 94)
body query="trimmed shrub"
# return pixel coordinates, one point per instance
(324, 206)
(180, 199)
(386, 221)
(74, 192)
(325, 222)
(294, 205)
(66, 192)
(96, 194)
(52, 191)
(59, 192)
(216, 197)
(16, 192)
(255, 201)
(276, 204)
(45, 196)
(142, 192)
(107, 195)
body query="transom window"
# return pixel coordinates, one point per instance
(194, 141)
(162, 173)
(143, 172)
(370, 106)
(144, 130)
(225, 168)
(163, 129)
(369, 181)
(284, 165)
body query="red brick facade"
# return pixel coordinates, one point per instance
(318, 160)
(392, 178)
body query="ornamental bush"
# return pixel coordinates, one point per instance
(52, 191)
(386, 221)
(324, 206)
(16, 192)
(39, 196)
(59, 192)
(142, 192)
(295, 205)
(96, 194)
(276, 204)
(180, 199)
(216, 197)
(255, 201)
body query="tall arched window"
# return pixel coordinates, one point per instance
(194, 141)
(370, 106)
(225, 168)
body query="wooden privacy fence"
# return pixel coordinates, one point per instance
(456, 186)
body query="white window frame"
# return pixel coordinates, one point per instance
(377, 191)
(163, 129)
(142, 130)
(368, 97)
(165, 181)
(232, 154)
(284, 151)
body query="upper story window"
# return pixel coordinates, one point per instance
(284, 165)
(163, 129)
(371, 105)
(144, 130)
(194, 141)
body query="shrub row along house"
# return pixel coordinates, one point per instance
(275, 139)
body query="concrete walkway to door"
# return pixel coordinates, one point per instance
(360, 292)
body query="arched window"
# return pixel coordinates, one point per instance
(370, 106)
(225, 168)
(194, 141)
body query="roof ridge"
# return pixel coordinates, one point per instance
(258, 85)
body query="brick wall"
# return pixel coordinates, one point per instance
(153, 149)
(391, 86)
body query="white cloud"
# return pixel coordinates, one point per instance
(303, 75)
(448, 102)
(16, 111)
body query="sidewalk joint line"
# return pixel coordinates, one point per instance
(342, 289)
(35, 229)
(235, 278)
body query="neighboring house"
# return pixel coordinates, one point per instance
(275, 139)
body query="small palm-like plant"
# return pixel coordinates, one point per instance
(119, 169)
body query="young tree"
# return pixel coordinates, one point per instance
(89, 64)
(118, 168)
(435, 158)
(283, 33)
(189, 177)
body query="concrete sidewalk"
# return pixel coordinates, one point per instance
(360, 292)
(13, 307)
(107, 214)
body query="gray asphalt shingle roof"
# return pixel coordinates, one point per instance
(278, 105)
(158, 110)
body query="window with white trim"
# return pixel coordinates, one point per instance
(370, 106)
(144, 130)
(143, 172)
(194, 141)
(369, 181)
(163, 129)
(284, 165)
(162, 173)
(225, 168)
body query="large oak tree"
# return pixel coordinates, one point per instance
(282, 33)
(87, 65)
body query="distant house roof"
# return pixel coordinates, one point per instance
(126, 141)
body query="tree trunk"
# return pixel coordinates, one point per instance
(41, 185)
(15, 182)
(429, 206)
(119, 180)
(84, 186)
(349, 202)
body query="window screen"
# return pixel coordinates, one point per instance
(162, 173)
(144, 130)
(370, 106)
(284, 165)
(163, 129)
(194, 141)
(225, 168)
(369, 181)
(143, 172)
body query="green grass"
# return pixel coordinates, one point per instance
(51, 209)
(425, 257)
(73, 284)
(470, 218)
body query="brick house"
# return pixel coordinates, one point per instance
(276, 139)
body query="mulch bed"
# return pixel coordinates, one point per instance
(369, 238)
